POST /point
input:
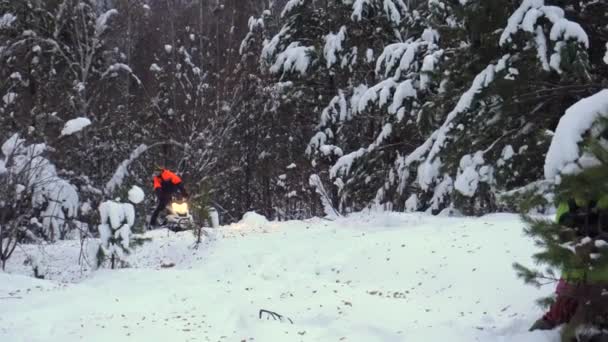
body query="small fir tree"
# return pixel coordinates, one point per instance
(578, 251)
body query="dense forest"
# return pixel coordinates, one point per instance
(292, 108)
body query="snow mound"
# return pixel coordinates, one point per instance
(251, 220)
(136, 195)
(75, 125)
(564, 152)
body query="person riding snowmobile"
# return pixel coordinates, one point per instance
(166, 183)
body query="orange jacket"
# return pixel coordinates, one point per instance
(166, 176)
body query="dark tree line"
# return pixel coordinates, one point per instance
(297, 108)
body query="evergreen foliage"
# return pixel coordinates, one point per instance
(577, 248)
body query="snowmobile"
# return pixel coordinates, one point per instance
(178, 216)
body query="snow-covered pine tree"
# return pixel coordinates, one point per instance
(34, 195)
(577, 163)
(278, 126)
(253, 125)
(492, 136)
(377, 112)
(326, 51)
(117, 219)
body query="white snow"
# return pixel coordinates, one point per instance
(428, 170)
(403, 91)
(123, 169)
(404, 53)
(411, 205)
(7, 20)
(115, 214)
(114, 68)
(468, 176)
(369, 55)
(333, 46)
(290, 5)
(75, 125)
(380, 93)
(565, 29)
(330, 212)
(343, 165)
(168, 48)
(541, 48)
(293, 58)
(155, 68)
(116, 221)
(56, 197)
(270, 47)
(564, 151)
(367, 277)
(9, 98)
(606, 56)
(430, 35)
(526, 18)
(101, 23)
(393, 9)
(136, 195)
(251, 220)
(507, 152)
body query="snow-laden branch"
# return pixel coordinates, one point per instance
(394, 10)
(75, 125)
(101, 24)
(118, 67)
(123, 169)
(428, 170)
(564, 152)
(526, 18)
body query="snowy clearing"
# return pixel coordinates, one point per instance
(368, 277)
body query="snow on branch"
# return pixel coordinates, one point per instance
(290, 5)
(333, 46)
(75, 125)
(394, 10)
(32, 172)
(564, 153)
(429, 169)
(123, 169)
(404, 53)
(101, 24)
(293, 58)
(117, 67)
(7, 20)
(270, 47)
(526, 18)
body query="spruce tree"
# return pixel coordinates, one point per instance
(578, 251)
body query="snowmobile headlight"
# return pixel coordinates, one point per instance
(180, 208)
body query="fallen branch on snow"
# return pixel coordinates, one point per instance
(274, 315)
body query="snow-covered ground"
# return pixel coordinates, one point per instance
(368, 277)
